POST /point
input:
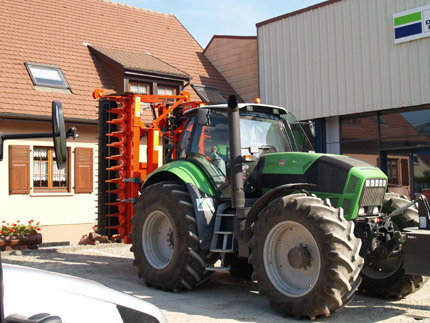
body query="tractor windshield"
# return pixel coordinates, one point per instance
(263, 131)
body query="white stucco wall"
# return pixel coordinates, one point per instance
(62, 216)
(48, 208)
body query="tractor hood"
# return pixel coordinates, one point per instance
(339, 178)
(328, 172)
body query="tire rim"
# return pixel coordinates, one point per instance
(290, 281)
(157, 239)
(384, 270)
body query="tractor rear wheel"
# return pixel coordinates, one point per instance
(166, 245)
(305, 256)
(387, 278)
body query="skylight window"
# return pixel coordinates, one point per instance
(47, 76)
(208, 94)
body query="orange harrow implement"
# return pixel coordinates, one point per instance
(122, 132)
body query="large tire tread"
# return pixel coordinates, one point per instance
(187, 268)
(340, 266)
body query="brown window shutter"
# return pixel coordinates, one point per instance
(83, 170)
(19, 169)
(405, 172)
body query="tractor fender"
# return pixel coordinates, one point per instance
(181, 171)
(263, 201)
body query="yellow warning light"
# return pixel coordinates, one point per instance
(257, 100)
(247, 158)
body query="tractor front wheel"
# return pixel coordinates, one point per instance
(166, 245)
(386, 278)
(305, 256)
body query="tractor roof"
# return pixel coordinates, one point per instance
(271, 109)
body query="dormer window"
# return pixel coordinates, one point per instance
(138, 87)
(47, 76)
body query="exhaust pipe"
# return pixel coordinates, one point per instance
(238, 194)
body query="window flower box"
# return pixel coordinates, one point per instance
(30, 241)
(18, 235)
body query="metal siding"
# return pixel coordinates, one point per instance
(341, 59)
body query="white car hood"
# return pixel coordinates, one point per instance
(29, 291)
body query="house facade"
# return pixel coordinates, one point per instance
(63, 50)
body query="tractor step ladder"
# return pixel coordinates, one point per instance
(223, 237)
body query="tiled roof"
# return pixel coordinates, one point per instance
(144, 62)
(54, 32)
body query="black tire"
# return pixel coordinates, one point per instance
(165, 211)
(239, 267)
(322, 236)
(408, 218)
(390, 281)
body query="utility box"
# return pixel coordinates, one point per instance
(417, 252)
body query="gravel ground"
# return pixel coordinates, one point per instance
(222, 299)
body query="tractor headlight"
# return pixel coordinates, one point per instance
(375, 182)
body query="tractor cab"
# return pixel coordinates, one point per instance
(265, 129)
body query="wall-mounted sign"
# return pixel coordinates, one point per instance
(411, 24)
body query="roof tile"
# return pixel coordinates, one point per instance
(28, 34)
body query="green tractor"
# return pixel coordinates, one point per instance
(245, 193)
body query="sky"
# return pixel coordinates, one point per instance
(205, 18)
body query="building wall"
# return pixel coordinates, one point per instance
(236, 59)
(340, 58)
(62, 216)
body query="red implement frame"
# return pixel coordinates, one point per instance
(130, 171)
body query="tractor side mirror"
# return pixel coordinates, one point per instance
(59, 134)
(312, 128)
(203, 117)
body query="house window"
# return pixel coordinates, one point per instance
(393, 171)
(164, 90)
(46, 76)
(46, 175)
(138, 87)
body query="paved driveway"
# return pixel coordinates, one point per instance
(222, 299)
